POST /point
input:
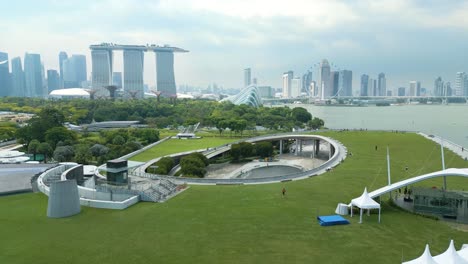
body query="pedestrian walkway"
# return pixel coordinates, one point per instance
(455, 148)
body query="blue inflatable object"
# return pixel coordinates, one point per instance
(329, 220)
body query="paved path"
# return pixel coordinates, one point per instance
(455, 148)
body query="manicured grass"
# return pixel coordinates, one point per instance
(245, 224)
(181, 145)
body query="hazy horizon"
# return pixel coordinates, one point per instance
(407, 40)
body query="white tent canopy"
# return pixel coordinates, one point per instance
(450, 256)
(364, 202)
(425, 258)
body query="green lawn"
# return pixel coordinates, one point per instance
(245, 224)
(181, 145)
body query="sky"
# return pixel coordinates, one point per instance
(405, 39)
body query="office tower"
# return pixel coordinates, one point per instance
(324, 87)
(287, 79)
(265, 91)
(53, 80)
(415, 88)
(4, 75)
(448, 89)
(364, 85)
(33, 75)
(401, 91)
(460, 82)
(117, 79)
(334, 78)
(102, 71)
(247, 77)
(313, 89)
(306, 80)
(439, 87)
(133, 73)
(296, 87)
(345, 83)
(389, 93)
(17, 77)
(371, 87)
(74, 71)
(254, 81)
(62, 57)
(381, 84)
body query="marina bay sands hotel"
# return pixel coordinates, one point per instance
(133, 61)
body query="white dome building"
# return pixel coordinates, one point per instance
(69, 93)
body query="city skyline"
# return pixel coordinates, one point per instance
(362, 36)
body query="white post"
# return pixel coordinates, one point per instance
(388, 167)
(351, 210)
(368, 212)
(443, 161)
(360, 216)
(379, 214)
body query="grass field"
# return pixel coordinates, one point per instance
(245, 224)
(181, 145)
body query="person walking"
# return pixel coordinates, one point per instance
(283, 191)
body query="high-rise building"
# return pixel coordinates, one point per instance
(345, 83)
(254, 81)
(74, 71)
(371, 87)
(415, 88)
(53, 80)
(381, 84)
(448, 89)
(439, 87)
(306, 81)
(133, 73)
(364, 85)
(325, 89)
(313, 89)
(101, 70)
(17, 78)
(460, 84)
(33, 76)
(265, 91)
(334, 81)
(247, 77)
(401, 91)
(62, 57)
(117, 79)
(287, 79)
(4, 75)
(296, 87)
(165, 73)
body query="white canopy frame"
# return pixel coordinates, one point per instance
(364, 202)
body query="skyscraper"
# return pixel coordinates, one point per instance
(448, 89)
(74, 71)
(306, 81)
(33, 76)
(460, 82)
(415, 88)
(247, 77)
(364, 85)
(4, 75)
(62, 57)
(401, 91)
(334, 80)
(439, 87)
(345, 83)
(53, 80)
(165, 73)
(382, 85)
(296, 87)
(371, 87)
(133, 73)
(17, 77)
(287, 79)
(324, 87)
(102, 70)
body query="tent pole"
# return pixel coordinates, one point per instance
(360, 216)
(351, 210)
(379, 214)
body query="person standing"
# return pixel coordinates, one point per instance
(283, 191)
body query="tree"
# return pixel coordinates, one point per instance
(165, 165)
(33, 147)
(98, 150)
(264, 149)
(46, 149)
(64, 153)
(118, 140)
(57, 134)
(246, 149)
(235, 152)
(192, 165)
(46, 119)
(301, 114)
(316, 123)
(82, 153)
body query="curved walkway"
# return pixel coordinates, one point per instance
(338, 156)
(400, 184)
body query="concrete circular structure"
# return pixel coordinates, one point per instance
(337, 153)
